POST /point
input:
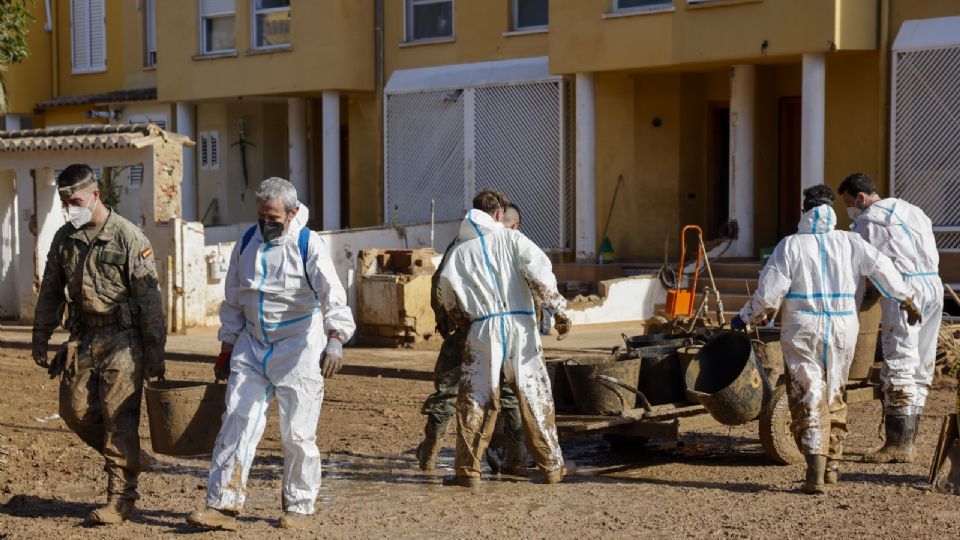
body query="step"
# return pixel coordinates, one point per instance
(728, 285)
(749, 270)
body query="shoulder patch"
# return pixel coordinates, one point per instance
(148, 251)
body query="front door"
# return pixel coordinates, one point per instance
(789, 166)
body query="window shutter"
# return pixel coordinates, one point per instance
(136, 176)
(204, 151)
(151, 32)
(98, 35)
(80, 28)
(214, 137)
(217, 7)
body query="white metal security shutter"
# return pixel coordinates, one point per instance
(98, 35)
(519, 150)
(925, 154)
(424, 156)
(80, 34)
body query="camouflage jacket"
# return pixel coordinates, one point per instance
(114, 277)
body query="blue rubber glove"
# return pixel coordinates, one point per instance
(738, 323)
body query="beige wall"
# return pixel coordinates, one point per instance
(31, 80)
(332, 49)
(582, 39)
(366, 185)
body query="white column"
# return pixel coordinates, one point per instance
(741, 156)
(49, 214)
(469, 147)
(331, 160)
(812, 116)
(27, 245)
(586, 188)
(187, 125)
(13, 123)
(297, 151)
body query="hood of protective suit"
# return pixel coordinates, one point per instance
(477, 223)
(895, 212)
(818, 220)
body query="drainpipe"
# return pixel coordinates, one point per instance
(54, 52)
(378, 100)
(884, 172)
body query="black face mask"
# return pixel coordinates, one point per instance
(271, 230)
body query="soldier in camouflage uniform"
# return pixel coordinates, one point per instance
(101, 269)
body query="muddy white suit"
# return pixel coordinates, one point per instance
(489, 283)
(904, 233)
(278, 315)
(815, 274)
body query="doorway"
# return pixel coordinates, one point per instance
(718, 166)
(788, 175)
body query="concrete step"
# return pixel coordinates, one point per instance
(728, 285)
(739, 269)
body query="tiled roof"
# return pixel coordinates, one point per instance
(135, 94)
(95, 137)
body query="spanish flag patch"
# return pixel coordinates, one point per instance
(146, 253)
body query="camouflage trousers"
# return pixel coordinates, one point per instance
(440, 406)
(100, 401)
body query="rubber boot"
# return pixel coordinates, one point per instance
(832, 473)
(213, 518)
(116, 511)
(469, 482)
(294, 520)
(900, 431)
(816, 468)
(428, 449)
(515, 463)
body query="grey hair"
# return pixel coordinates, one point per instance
(278, 188)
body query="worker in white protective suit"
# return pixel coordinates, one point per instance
(284, 320)
(815, 274)
(904, 233)
(489, 283)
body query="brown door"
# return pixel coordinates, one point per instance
(718, 166)
(789, 166)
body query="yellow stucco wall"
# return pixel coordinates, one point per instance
(30, 81)
(478, 27)
(91, 83)
(332, 49)
(366, 185)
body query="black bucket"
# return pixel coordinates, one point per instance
(595, 397)
(650, 340)
(726, 378)
(661, 377)
(559, 387)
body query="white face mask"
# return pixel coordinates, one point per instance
(80, 215)
(854, 212)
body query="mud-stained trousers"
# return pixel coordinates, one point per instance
(257, 373)
(909, 354)
(514, 351)
(100, 402)
(441, 406)
(815, 395)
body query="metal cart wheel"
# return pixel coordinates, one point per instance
(775, 435)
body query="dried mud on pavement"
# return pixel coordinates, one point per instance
(715, 483)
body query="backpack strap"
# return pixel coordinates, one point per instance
(303, 242)
(247, 236)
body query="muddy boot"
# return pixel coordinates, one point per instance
(555, 476)
(515, 463)
(294, 520)
(832, 474)
(213, 518)
(115, 511)
(428, 449)
(470, 482)
(900, 432)
(816, 468)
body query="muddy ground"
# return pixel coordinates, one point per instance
(716, 483)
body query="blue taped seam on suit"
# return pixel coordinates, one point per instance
(496, 287)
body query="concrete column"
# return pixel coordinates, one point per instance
(741, 156)
(297, 151)
(187, 125)
(27, 245)
(49, 214)
(813, 114)
(330, 103)
(586, 188)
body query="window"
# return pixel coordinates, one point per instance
(429, 19)
(89, 36)
(271, 23)
(640, 5)
(529, 14)
(209, 150)
(149, 33)
(217, 26)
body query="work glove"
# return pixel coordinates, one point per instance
(40, 355)
(221, 369)
(332, 358)
(562, 324)
(913, 314)
(738, 323)
(153, 365)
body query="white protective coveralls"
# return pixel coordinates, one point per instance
(489, 282)
(815, 273)
(279, 328)
(904, 233)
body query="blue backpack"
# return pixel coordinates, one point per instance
(303, 241)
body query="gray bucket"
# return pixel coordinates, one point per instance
(185, 416)
(661, 378)
(726, 378)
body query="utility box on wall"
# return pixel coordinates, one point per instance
(393, 301)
